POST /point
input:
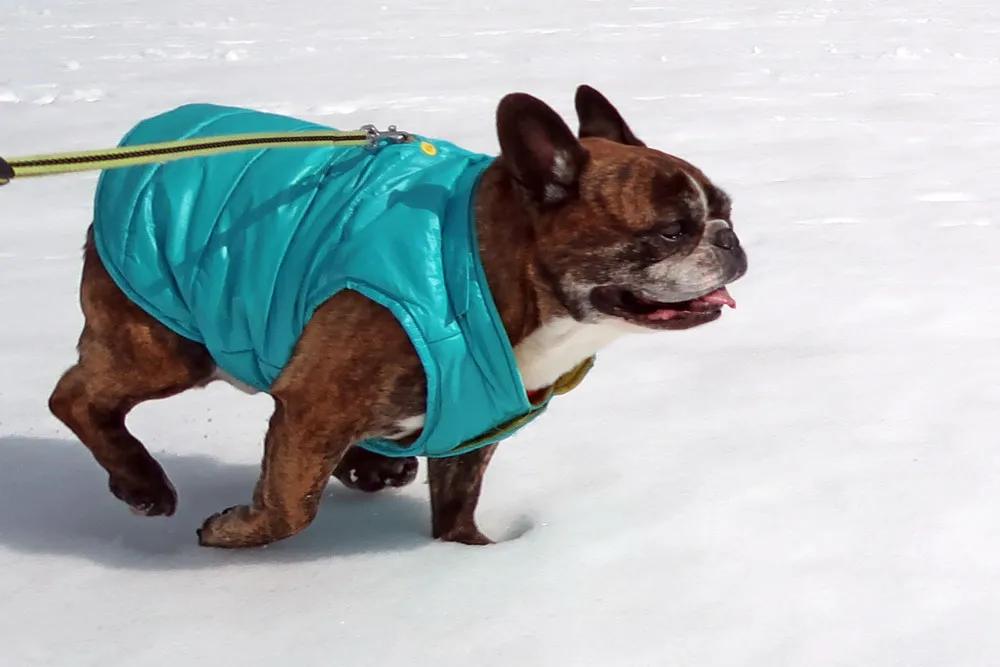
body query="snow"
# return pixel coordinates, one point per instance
(809, 481)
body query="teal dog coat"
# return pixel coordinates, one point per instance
(236, 252)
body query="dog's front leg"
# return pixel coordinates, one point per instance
(456, 483)
(299, 456)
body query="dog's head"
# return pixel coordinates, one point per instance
(623, 232)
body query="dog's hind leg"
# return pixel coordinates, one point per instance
(126, 357)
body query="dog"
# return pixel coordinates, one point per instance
(577, 239)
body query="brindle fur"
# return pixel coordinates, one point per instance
(551, 212)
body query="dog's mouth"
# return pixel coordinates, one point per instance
(625, 304)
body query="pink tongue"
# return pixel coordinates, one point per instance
(720, 297)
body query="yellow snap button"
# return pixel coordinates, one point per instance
(428, 148)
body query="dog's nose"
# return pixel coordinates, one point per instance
(726, 239)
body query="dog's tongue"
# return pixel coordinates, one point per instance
(720, 297)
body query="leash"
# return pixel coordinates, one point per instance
(130, 156)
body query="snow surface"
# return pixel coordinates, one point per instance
(812, 481)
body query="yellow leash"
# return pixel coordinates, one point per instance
(131, 156)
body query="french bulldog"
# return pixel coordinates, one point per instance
(582, 238)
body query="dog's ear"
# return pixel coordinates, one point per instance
(540, 149)
(599, 118)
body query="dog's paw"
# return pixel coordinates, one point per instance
(369, 472)
(151, 495)
(469, 535)
(233, 528)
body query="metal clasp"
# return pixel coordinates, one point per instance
(375, 135)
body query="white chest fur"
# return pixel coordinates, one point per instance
(559, 346)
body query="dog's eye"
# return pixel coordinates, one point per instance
(672, 230)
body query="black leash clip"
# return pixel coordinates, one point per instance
(6, 172)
